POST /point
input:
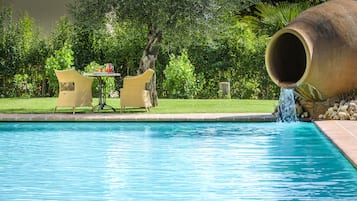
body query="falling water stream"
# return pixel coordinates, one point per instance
(286, 109)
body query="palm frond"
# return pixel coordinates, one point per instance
(274, 17)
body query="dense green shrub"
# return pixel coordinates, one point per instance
(23, 86)
(247, 52)
(10, 54)
(60, 60)
(180, 79)
(19, 45)
(236, 56)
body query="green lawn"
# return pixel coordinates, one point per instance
(46, 105)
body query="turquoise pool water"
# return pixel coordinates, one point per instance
(171, 161)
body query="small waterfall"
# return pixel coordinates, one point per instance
(286, 109)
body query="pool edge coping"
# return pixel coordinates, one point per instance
(141, 117)
(343, 134)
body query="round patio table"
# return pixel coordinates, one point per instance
(101, 87)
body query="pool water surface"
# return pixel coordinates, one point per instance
(171, 161)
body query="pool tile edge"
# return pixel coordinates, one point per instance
(105, 117)
(343, 134)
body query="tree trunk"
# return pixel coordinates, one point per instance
(43, 85)
(149, 58)
(4, 86)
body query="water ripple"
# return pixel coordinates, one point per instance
(177, 161)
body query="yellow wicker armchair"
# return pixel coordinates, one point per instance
(134, 93)
(75, 90)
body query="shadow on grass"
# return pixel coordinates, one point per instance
(133, 110)
(23, 111)
(106, 110)
(77, 111)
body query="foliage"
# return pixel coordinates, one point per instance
(109, 41)
(63, 33)
(119, 44)
(92, 67)
(180, 79)
(60, 60)
(19, 45)
(222, 43)
(177, 23)
(247, 52)
(271, 18)
(23, 85)
(30, 71)
(178, 16)
(26, 33)
(161, 18)
(9, 48)
(235, 56)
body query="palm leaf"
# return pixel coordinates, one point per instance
(272, 18)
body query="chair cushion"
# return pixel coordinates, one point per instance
(67, 86)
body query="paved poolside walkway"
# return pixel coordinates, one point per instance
(139, 117)
(342, 133)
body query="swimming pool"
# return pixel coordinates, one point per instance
(171, 161)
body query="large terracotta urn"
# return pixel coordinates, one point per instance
(317, 52)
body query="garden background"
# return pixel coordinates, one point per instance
(200, 43)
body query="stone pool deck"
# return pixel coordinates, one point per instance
(134, 117)
(342, 133)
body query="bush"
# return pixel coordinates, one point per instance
(23, 86)
(60, 60)
(180, 79)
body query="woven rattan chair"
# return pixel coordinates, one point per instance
(75, 90)
(134, 93)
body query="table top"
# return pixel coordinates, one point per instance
(101, 74)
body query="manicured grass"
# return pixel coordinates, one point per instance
(214, 106)
(166, 106)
